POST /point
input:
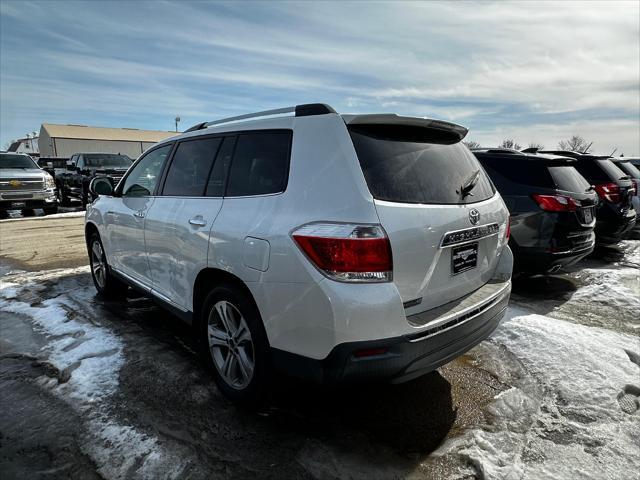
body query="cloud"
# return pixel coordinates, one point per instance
(491, 66)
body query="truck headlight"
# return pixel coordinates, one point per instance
(48, 182)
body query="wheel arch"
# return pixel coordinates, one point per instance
(89, 229)
(210, 277)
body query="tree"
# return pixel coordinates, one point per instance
(510, 143)
(574, 144)
(472, 144)
(539, 146)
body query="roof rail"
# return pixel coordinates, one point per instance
(303, 110)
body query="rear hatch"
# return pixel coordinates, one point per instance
(444, 219)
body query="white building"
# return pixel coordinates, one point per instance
(65, 140)
(27, 145)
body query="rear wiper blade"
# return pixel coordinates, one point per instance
(465, 190)
(590, 189)
(626, 177)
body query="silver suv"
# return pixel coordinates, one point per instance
(24, 185)
(332, 247)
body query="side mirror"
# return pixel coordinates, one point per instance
(101, 186)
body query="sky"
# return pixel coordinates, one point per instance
(532, 71)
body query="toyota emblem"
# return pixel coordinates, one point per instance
(474, 216)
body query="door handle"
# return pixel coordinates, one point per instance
(198, 221)
(139, 214)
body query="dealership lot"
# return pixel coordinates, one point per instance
(116, 390)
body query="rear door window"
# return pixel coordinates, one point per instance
(416, 165)
(568, 179)
(188, 173)
(260, 164)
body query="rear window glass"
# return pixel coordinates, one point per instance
(568, 179)
(260, 164)
(629, 169)
(525, 172)
(414, 165)
(614, 172)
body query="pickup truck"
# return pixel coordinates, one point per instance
(53, 165)
(25, 186)
(73, 183)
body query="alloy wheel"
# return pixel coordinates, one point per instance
(98, 264)
(231, 345)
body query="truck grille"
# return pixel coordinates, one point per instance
(21, 184)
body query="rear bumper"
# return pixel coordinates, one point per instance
(611, 232)
(402, 358)
(537, 260)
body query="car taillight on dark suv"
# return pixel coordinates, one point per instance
(347, 252)
(556, 203)
(609, 192)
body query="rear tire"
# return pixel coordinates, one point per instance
(106, 284)
(50, 210)
(235, 346)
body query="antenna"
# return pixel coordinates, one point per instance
(587, 149)
(614, 151)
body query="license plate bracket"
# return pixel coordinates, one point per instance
(588, 215)
(18, 204)
(463, 258)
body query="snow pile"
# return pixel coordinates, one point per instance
(88, 358)
(46, 217)
(562, 417)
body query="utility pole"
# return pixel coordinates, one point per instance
(177, 119)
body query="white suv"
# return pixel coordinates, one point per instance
(332, 247)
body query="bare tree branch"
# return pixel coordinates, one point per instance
(510, 143)
(575, 143)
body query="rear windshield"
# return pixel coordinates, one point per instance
(629, 168)
(525, 172)
(568, 179)
(106, 160)
(17, 161)
(614, 172)
(416, 165)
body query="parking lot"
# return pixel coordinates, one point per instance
(96, 389)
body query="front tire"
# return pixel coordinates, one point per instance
(50, 210)
(235, 345)
(106, 284)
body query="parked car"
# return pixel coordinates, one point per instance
(332, 247)
(25, 186)
(552, 208)
(73, 184)
(626, 165)
(53, 165)
(615, 213)
(635, 161)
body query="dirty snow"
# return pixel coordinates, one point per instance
(45, 217)
(88, 358)
(561, 418)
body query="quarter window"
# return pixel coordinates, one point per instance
(143, 178)
(189, 171)
(260, 164)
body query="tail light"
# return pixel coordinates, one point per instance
(555, 203)
(609, 192)
(347, 252)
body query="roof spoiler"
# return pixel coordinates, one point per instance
(393, 119)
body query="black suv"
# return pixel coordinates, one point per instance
(616, 215)
(82, 167)
(552, 208)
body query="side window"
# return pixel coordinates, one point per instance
(143, 178)
(80, 162)
(189, 170)
(215, 187)
(260, 164)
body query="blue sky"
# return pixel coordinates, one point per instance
(533, 71)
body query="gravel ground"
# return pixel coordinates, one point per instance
(115, 389)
